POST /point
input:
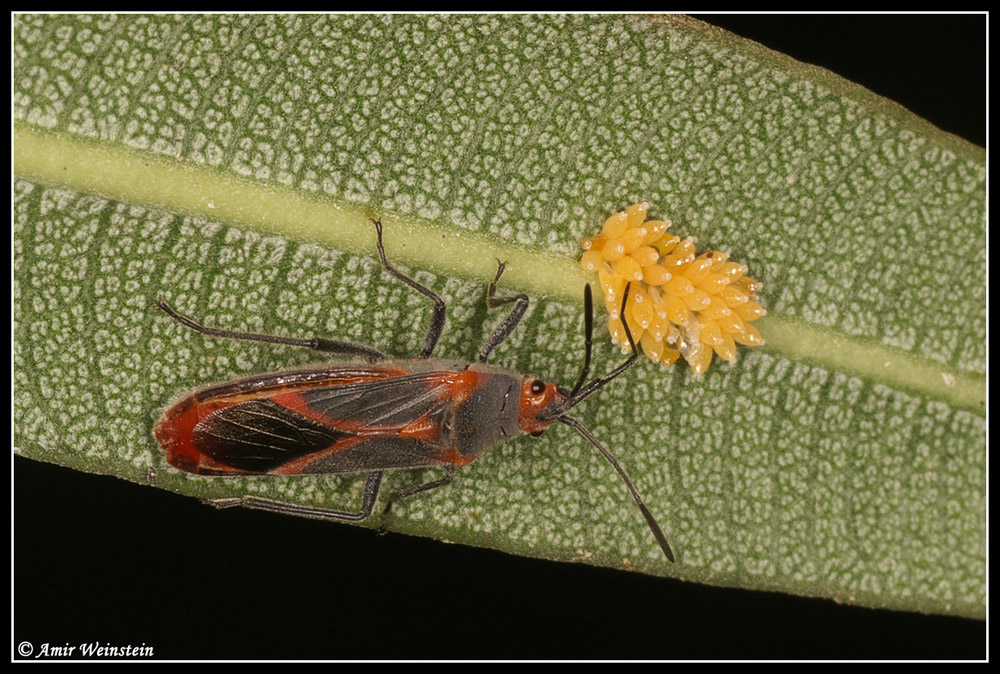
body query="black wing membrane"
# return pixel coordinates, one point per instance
(386, 403)
(259, 435)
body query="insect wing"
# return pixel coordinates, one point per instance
(392, 403)
(326, 421)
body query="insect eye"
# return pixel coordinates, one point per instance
(537, 386)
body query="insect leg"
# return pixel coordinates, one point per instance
(316, 343)
(257, 503)
(437, 318)
(510, 322)
(406, 493)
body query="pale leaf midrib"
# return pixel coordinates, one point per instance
(143, 179)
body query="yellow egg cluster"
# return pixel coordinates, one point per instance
(679, 304)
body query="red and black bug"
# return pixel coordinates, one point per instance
(374, 414)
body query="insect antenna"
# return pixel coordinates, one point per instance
(580, 394)
(588, 332)
(654, 527)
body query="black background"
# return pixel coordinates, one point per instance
(100, 559)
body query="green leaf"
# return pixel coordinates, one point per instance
(227, 163)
